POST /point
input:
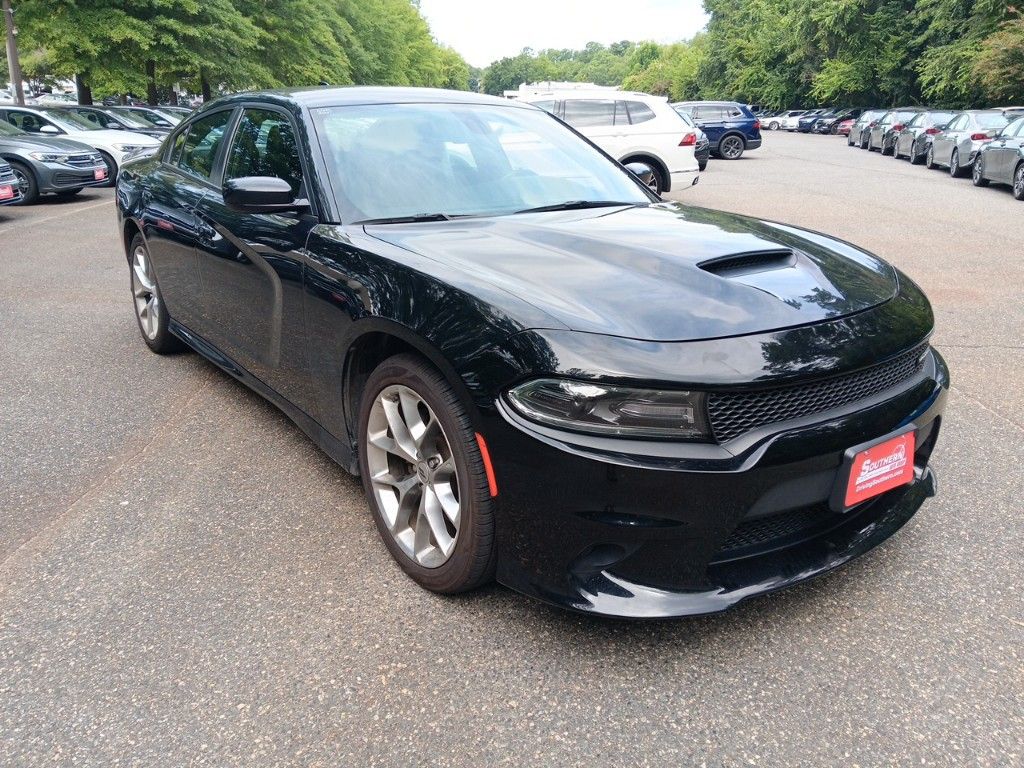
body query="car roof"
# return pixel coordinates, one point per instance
(330, 96)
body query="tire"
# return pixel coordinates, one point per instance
(864, 141)
(929, 158)
(150, 309)
(111, 169)
(913, 157)
(659, 179)
(976, 174)
(1018, 182)
(68, 193)
(418, 544)
(731, 147)
(26, 179)
(849, 140)
(955, 169)
(891, 150)
(702, 164)
(773, 125)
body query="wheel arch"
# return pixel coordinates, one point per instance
(643, 157)
(129, 230)
(377, 339)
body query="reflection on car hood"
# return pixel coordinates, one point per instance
(44, 143)
(105, 136)
(643, 272)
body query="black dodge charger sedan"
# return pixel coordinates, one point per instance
(542, 372)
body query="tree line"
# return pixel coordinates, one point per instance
(783, 53)
(151, 46)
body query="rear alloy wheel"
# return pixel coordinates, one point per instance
(731, 147)
(1018, 182)
(977, 173)
(424, 476)
(657, 183)
(864, 140)
(954, 165)
(150, 311)
(913, 157)
(773, 126)
(929, 158)
(890, 151)
(26, 183)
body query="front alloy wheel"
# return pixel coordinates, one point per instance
(731, 147)
(1018, 182)
(929, 159)
(413, 475)
(424, 476)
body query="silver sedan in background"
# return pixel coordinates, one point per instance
(956, 145)
(912, 142)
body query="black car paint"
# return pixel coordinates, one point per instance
(618, 527)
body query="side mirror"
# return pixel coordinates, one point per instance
(261, 194)
(51, 129)
(643, 172)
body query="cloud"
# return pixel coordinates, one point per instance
(486, 30)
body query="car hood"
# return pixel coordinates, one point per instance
(665, 272)
(43, 143)
(105, 136)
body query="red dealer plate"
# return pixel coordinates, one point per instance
(874, 469)
(6, 192)
(100, 173)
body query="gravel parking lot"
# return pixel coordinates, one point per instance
(185, 579)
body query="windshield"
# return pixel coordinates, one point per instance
(145, 118)
(400, 160)
(171, 117)
(69, 121)
(990, 119)
(6, 129)
(128, 120)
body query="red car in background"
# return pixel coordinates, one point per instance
(843, 128)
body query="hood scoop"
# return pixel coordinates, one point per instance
(739, 264)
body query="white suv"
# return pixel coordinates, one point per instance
(632, 128)
(116, 147)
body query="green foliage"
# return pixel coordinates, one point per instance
(234, 44)
(783, 53)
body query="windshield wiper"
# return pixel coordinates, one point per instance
(574, 205)
(407, 219)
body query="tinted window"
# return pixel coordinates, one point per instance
(1017, 126)
(264, 145)
(199, 148)
(957, 124)
(26, 121)
(639, 112)
(547, 106)
(735, 112)
(589, 113)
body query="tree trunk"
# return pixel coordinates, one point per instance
(151, 97)
(204, 84)
(84, 91)
(13, 63)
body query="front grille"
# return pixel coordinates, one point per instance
(762, 534)
(734, 413)
(84, 160)
(62, 179)
(7, 177)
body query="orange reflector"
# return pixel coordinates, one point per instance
(492, 484)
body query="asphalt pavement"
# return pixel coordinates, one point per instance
(186, 580)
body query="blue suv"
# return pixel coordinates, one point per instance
(730, 127)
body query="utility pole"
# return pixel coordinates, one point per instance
(13, 65)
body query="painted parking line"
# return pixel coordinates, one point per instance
(61, 215)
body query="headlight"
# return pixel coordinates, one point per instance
(609, 410)
(48, 157)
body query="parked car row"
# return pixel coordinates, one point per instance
(987, 144)
(62, 148)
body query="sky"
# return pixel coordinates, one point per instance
(486, 30)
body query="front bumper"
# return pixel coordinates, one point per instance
(54, 177)
(596, 530)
